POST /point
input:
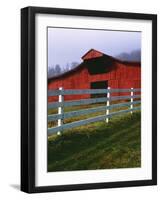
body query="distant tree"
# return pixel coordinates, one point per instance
(51, 71)
(66, 67)
(54, 71)
(136, 55)
(57, 69)
(73, 65)
(132, 56)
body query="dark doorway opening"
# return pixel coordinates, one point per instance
(99, 85)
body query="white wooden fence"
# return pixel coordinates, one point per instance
(61, 115)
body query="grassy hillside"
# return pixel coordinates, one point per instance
(98, 145)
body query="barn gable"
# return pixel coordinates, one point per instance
(92, 54)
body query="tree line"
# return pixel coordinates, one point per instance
(57, 69)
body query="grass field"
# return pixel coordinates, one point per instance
(98, 145)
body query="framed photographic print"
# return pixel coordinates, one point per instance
(88, 99)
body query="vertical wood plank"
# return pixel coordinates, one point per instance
(132, 94)
(108, 103)
(60, 110)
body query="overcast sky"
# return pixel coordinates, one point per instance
(68, 45)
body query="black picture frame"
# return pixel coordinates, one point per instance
(28, 98)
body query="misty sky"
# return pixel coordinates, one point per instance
(68, 45)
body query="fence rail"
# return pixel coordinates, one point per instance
(89, 101)
(88, 91)
(64, 115)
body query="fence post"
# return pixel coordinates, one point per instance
(60, 109)
(108, 103)
(132, 94)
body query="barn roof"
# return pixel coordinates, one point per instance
(92, 53)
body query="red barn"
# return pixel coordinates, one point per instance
(98, 70)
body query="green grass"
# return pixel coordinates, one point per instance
(98, 145)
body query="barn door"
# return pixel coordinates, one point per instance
(99, 85)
